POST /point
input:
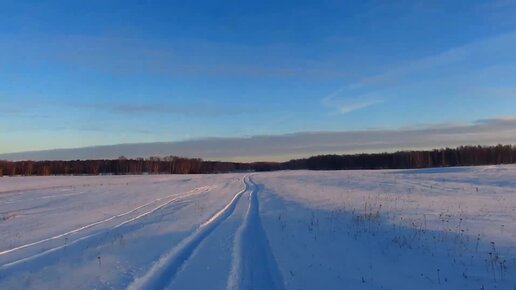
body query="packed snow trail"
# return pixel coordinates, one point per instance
(82, 239)
(163, 271)
(253, 266)
(82, 228)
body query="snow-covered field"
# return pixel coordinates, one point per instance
(449, 228)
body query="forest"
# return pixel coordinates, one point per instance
(460, 156)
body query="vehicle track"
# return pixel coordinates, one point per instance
(169, 199)
(253, 265)
(163, 272)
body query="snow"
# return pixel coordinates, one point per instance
(439, 228)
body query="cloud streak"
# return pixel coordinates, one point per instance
(497, 49)
(350, 107)
(155, 108)
(348, 104)
(183, 57)
(447, 67)
(284, 147)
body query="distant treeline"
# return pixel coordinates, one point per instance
(461, 156)
(122, 165)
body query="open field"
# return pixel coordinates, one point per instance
(446, 228)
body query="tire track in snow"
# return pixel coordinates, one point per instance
(46, 256)
(253, 265)
(164, 270)
(85, 227)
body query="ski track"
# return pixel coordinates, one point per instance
(162, 273)
(82, 228)
(44, 258)
(253, 265)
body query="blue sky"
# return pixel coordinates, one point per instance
(83, 73)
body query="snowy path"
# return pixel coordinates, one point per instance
(253, 264)
(71, 236)
(69, 245)
(163, 271)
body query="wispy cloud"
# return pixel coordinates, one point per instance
(200, 109)
(496, 52)
(492, 50)
(185, 57)
(346, 104)
(353, 106)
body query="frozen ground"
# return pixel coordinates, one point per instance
(450, 228)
